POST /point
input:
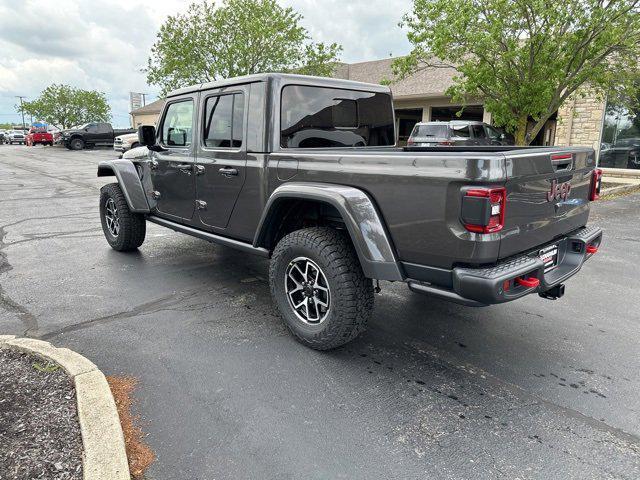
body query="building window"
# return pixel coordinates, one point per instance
(620, 144)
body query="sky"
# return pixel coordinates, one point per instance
(103, 45)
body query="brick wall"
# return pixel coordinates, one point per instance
(580, 121)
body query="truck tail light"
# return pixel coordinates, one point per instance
(410, 142)
(483, 209)
(596, 183)
(446, 143)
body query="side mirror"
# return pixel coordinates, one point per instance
(147, 135)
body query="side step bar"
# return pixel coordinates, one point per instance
(210, 237)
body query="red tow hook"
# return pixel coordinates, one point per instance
(591, 249)
(528, 282)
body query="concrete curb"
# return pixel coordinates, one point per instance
(104, 456)
(628, 188)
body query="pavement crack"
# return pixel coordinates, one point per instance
(29, 321)
(142, 309)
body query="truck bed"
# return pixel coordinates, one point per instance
(418, 192)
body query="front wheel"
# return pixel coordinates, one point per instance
(76, 144)
(124, 230)
(319, 289)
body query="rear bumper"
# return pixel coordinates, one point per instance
(496, 284)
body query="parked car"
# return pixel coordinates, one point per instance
(126, 142)
(16, 136)
(95, 134)
(624, 153)
(456, 133)
(39, 135)
(472, 225)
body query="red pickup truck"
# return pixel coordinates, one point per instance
(39, 135)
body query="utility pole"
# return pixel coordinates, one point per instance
(21, 111)
(144, 99)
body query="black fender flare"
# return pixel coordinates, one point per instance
(129, 180)
(364, 224)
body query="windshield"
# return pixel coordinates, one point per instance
(430, 131)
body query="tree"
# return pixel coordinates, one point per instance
(65, 106)
(240, 37)
(525, 57)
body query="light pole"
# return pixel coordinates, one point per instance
(21, 110)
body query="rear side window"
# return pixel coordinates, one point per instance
(177, 127)
(478, 131)
(316, 117)
(461, 131)
(440, 131)
(223, 123)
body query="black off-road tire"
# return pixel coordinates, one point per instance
(76, 144)
(352, 294)
(132, 226)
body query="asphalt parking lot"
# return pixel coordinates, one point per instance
(532, 389)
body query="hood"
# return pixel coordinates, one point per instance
(138, 152)
(128, 137)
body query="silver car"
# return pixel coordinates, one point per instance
(457, 133)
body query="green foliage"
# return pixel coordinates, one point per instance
(46, 367)
(526, 57)
(240, 37)
(65, 106)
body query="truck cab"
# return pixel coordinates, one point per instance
(305, 171)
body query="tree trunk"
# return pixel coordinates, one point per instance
(521, 131)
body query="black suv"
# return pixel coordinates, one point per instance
(457, 133)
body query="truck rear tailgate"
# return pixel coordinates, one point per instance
(547, 196)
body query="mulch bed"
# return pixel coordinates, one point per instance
(139, 454)
(39, 430)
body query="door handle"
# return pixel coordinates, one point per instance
(228, 172)
(185, 168)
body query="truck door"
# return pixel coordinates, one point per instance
(104, 135)
(222, 156)
(172, 171)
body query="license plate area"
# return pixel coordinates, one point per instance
(549, 256)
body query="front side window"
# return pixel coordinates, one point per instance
(493, 133)
(224, 118)
(177, 128)
(317, 117)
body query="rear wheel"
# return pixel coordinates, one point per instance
(319, 289)
(124, 230)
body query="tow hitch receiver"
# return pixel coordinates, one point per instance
(553, 294)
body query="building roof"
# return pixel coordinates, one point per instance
(430, 82)
(153, 107)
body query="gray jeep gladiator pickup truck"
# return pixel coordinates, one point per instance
(305, 171)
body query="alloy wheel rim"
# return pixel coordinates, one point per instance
(111, 217)
(307, 291)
